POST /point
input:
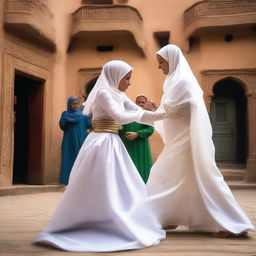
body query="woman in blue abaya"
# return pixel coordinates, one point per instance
(75, 125)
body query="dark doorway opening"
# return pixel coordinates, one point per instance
(89, 86)
(28, 130)
(229, 121)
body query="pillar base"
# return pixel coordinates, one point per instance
(251, 169)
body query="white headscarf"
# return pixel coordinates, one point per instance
(109, 79)
(180, 85)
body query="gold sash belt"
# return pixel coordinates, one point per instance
(106, 125)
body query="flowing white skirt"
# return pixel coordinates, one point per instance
(200, 199)
(104, 207)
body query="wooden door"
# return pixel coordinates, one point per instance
(223, 118)
(35, 147)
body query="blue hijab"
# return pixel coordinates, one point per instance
(70, 115)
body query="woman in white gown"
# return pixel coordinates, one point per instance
(104, 207)
(185, 186)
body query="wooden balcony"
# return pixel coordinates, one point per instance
(30, 19)
(219, 13)
(114, 20)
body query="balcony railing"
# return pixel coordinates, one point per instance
(30, 15)
(219, 13)
(104, 18)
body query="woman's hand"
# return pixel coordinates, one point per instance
(150, 105)
(131, 135)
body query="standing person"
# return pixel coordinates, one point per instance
(135, 138)
(104, 207)
(185, 186)
(75, 125)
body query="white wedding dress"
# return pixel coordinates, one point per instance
(185, 186)
(104, 207)
(183, 192)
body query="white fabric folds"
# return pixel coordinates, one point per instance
(104, 207)
(185, 186)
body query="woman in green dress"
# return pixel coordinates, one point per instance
(135, 138)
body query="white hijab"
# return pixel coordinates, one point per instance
(109, 79)
(180, 85)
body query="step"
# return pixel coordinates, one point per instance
(241, 185)
(30, 189)
(227, 165)
(234, 175)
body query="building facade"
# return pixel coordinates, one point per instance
(51, 50)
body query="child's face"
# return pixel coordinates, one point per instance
(141, 101)
(75, 105)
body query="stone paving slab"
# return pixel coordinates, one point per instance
(22, 217)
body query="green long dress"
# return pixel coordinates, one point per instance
(139, 149)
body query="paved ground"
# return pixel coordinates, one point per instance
(23, 216)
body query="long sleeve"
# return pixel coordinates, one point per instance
(149, 116)
(105, 100)
(145, 132)
(130, 105)
(62, 122)
(173, 109)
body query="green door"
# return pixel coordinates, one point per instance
(223, 118)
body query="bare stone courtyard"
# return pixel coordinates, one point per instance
(22, 217)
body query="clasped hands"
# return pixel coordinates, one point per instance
(151, 106)
(131, 135)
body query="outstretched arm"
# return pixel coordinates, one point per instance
(149, 116)
(106, 101)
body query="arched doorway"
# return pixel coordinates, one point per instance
(89, 86)
(229, 121)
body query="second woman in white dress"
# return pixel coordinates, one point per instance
(104, 207)
(185, 186)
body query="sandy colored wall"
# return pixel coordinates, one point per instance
(1, 50)
(209, 52)
(146, 79)
(1, 71)
(62, 25)
(238, 53)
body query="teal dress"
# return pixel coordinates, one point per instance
(75, 125)
(139, 149)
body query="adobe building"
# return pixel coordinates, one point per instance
(50, 50)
